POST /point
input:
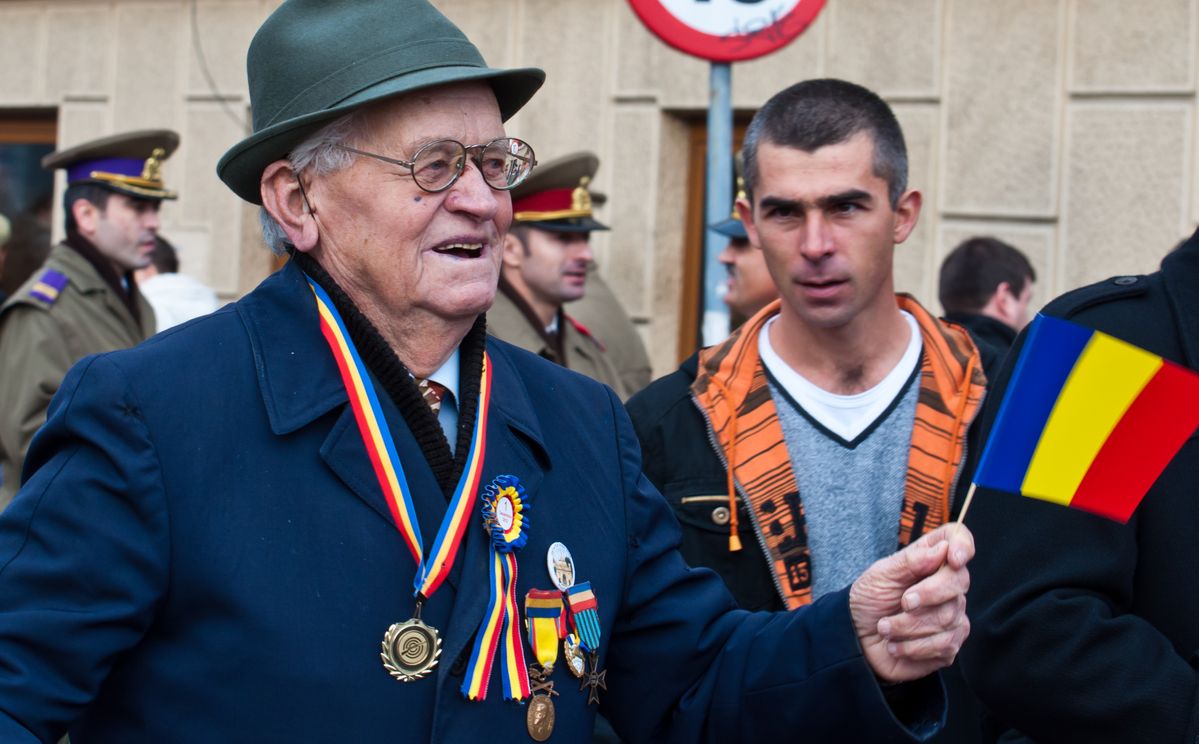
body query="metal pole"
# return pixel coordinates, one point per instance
(719, 198)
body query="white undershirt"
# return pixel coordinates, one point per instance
(847, 416)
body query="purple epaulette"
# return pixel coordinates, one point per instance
(48, 286)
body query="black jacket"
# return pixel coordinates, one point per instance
(992, 337)
(679, 459)
(1085, 629)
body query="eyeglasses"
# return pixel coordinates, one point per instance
(504, 163)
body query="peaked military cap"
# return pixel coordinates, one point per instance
(315, 60)
(128, 163)
(557, 196)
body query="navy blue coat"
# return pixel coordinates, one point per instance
(202, 554)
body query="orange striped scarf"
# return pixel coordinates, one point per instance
(732, 391)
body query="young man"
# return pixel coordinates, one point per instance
(84, 300)
(831, 427)
(547, 256)
(253, 528)
(986, 286)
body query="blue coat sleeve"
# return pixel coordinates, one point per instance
(67, 614)
(685, 665)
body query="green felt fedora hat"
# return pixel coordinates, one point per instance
(315, 60)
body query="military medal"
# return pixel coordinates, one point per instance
(410, 648)
(584, 614)
(544, 619)
(576, 661)
(506, 519)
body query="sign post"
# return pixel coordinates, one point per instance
(723, 32)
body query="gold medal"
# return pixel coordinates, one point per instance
(410, 649)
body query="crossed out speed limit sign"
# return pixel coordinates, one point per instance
(727, 30)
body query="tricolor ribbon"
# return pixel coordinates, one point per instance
(376, 436)
(584, 614)
(543, 611)
(505, 516)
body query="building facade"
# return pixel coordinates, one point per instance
(1065, 127)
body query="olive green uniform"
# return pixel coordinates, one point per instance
(584, 353)
(601, 312)
(41, 339)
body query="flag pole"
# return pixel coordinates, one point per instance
(966, 503)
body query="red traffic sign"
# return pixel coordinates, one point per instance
(727, 30)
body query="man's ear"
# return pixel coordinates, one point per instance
(513, 252)
(86, 216)
(1004, 302)
(745, 211)
(284, 200)
(907, 212)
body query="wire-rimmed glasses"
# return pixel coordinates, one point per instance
(504, 162)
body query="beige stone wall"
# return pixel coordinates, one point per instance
(1063, 126)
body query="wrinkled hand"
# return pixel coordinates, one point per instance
(909, 609)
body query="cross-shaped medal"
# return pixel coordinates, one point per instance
(595, 679)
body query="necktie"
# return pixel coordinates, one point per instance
(432, 392)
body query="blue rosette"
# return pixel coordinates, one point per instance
(506, 513)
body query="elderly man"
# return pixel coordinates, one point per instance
(84, 300)
(281, 544)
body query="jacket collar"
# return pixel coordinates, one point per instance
(956, 361)
(299, 379)
(1180, 272)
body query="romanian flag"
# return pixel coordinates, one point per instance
(1088, 420)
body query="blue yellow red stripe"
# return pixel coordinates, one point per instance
(380, 448)
(1088, 421)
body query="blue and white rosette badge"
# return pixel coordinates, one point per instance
(505, 513)
(505, 516)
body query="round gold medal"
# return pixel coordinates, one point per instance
(540, 717)
(410, 649)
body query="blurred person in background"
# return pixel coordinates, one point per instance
(986, 286)
(547, 262)
(175, 297)
(84, 299)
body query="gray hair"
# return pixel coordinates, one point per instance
(320, 153)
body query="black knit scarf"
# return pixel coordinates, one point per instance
(400, 386)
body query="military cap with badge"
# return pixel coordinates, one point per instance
(557, 197)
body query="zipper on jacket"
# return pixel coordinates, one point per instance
(753, 518)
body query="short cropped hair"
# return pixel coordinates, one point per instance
(818, 113)
(973, 271)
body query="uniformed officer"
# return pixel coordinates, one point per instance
(749, 287)
(547, 255)
(84, 299)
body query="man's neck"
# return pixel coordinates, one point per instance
(845, 360)
(423, 342)
(542, 310)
